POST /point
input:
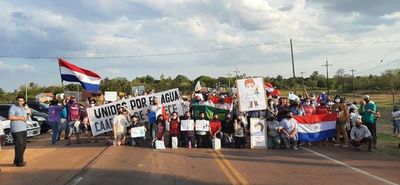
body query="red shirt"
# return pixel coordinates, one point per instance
(322, 109)
(174, 127)
(308, 109)
(160, 131)
(215, 125)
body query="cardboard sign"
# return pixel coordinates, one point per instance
(251, 94)
(138, 132)
(187, 125)
(202, 125)
(110, 96)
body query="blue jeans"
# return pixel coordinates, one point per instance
(54, 130)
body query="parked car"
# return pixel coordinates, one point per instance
(37, 116)
(40, 107)
(32, 126)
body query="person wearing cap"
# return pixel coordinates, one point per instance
(289, 131)
(368, 111)
(360, 134)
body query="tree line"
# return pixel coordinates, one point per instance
(340, 82)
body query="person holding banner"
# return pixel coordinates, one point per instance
(138, 141)
(119, 127)
(289, 131)
(201, 136)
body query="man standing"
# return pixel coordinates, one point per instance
(360, 134)
(18, 127)
(368, 111)
(289, 131)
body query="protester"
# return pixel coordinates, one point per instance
(308, 108)
(174, 126)
(240, 132)
(74, 115)
(283, 108)
(153, 112)
(119, 127)
(360, 134)
(289, 131)
(367, 111)
(274, 138)
(342, 117)
(227, 130)
(86, 123)
(209, 102)
(201, 136)
(18, 129)
(160, 128)
(272, 110)
(54, 119)
(138, 141)
(185, 104)
(296, 108)
(215, 128)
(396, 121)
(63, 123)
(222, 104)
(322, 108)
(352, 117)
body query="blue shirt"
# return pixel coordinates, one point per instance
(17, 126)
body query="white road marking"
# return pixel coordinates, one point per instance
(353, 168)
(76, 180)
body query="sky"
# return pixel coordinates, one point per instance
(131, 38)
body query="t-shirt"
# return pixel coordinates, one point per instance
(174, 127)
(359, 133)
(308, 109)
(322, 109)
(54, 113)
(160, 131)
(239, 129)
(17, 126)
(120, 123)
(288, 125)
(368, 117)
(215, 125)
(396, 115)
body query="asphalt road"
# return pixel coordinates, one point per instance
(96, 163)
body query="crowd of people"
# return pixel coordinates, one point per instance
(355, 124)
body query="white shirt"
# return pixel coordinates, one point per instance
(288, 125)
(359, 133)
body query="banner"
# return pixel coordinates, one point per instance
(202, 125)
(251, 94)
(316, 127)
(101, 117)
(187, 125)
(138, 132)
(110, 96)
(258, 138)
(209, 111)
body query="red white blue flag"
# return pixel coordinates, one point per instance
(316, 127)
(89, 80)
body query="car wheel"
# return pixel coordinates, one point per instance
(9, 139)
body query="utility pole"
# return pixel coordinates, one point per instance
(294, 73)
(229, 79)
(237, 72)
(327, 65)
(302, 77)
(354, 85)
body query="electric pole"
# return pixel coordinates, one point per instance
(294, 73)
(354, 85)
(327, 65)
(302, 77)
(229, 79)
(236, 72)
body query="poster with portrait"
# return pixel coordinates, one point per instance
(258, 137)
(251, 94)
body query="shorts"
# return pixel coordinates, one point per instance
(120, 136)
(73, 129)
(340, 122)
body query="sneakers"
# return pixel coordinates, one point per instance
(337, 145)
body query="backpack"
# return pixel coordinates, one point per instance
(74, 112)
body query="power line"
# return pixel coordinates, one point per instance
(149, 55)
(363, 42)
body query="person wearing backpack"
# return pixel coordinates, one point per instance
(74, 117)
(54, 119)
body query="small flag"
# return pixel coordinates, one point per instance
(89, 80)
(197, 87)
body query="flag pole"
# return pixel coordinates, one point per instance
(59, 68)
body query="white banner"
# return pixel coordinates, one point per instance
(110, 96)
(202, 125)
(258, 138)
(138, 132)
(101, 117)
(187, 125)
(251, 94)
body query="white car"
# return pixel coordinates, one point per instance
(33, 129)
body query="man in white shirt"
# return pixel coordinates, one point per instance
(360, 134)
(289, 131)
